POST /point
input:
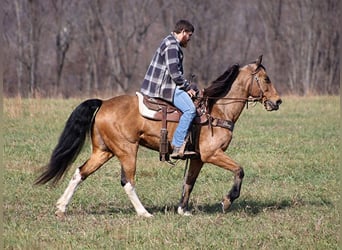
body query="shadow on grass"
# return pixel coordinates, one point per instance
(253, 207)
(249, 207)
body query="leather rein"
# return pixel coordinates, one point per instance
(248, 99)
(228, 124)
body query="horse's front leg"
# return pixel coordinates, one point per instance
(222, 160)
(190, 179)
(234, 193)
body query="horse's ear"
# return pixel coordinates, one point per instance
(258, 61)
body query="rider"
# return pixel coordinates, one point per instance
(165, 79)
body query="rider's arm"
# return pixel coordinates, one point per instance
(173, 62)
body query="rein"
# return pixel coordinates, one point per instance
(227, 123)
(248, 99)
(242, 99)
(236, 99)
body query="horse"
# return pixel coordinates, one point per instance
(117, 128)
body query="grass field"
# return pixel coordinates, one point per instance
(289, 197)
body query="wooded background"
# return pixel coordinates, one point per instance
(63, 48)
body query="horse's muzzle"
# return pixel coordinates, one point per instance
(271, 106)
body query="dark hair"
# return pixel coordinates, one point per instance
(221, 86)
(183, 25)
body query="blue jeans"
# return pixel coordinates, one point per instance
(184, 103)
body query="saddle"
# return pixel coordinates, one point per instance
(160, 110)
(152, 108)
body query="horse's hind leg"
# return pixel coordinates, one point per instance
(96, 160)
(128, 168)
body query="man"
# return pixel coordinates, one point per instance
(165, 79)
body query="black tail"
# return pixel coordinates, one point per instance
(70, 142)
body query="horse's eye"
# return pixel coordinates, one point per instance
(267, 80)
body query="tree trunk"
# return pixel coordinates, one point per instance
(33, 48)
(20, 48)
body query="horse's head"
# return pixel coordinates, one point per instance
(261, 87)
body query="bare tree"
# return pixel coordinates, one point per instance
(134, 19)
(18, 10)
(34, 33)
(103, 47)
(302, 36)
(63, 40)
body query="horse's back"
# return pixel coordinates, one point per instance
(119, 117)
(120, 106)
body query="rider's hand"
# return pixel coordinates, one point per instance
(193, 89)
(192, 93)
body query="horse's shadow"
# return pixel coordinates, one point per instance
(254, 207)
(247, 206)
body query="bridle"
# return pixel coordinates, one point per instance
(250, 87)
(254, 79)
(228, 124)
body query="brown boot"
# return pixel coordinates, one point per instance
(180, 153)
(176, 153)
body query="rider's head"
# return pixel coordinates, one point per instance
(183, 31)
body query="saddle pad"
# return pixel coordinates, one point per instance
(153, 114)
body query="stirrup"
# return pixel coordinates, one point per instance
(181, 153)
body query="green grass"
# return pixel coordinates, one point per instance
(289, 197)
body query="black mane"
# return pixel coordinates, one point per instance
(221, 86)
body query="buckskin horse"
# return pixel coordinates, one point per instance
(117, 129)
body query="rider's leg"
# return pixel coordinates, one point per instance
(184, 103)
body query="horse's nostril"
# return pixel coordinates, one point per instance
(279, 102)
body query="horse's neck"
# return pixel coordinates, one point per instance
(234, 102)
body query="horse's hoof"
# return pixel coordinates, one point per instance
(226, 203)
(187, 213)
(180, 211)
(183, 212)
(59, 214)
(146, 215)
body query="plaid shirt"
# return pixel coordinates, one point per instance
(165, 71)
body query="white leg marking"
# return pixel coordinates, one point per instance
(139, 208)
(181, 211)
(64, 200)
